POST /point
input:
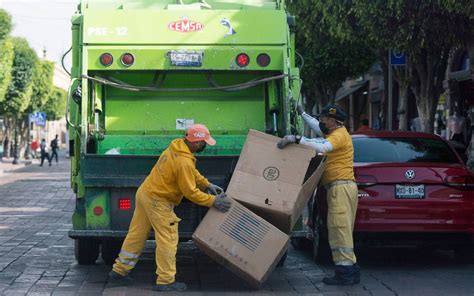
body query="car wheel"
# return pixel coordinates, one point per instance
(320, 246)
(86, 250)
(464, 254)
(110, 250)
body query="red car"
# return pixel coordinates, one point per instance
(413, 188)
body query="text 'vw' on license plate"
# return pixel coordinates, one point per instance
(410, 191)
(186, 58)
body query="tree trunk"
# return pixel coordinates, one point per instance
(427, 75)
(8, 137)
(403, 108)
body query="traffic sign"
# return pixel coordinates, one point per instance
(39, 118)
(398, 58)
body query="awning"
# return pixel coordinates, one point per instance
(344, 92)
(460, 75)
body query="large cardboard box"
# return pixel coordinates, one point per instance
(275, 183)
(241, 241)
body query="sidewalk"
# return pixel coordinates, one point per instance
(6, 164)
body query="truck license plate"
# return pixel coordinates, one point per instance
(410, 191)
(186, 58)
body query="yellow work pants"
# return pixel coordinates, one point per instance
(150, 213)
(342, 207)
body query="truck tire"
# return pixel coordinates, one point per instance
(300, 243)
(282, 260)
(110, 250)
(86, 250)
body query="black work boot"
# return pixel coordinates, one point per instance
(344, 276)
(117, 279)
(176, 286)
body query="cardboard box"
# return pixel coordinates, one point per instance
(242, 242)
(276, 184)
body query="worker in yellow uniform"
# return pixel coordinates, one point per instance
(173, 177)
(342, 193)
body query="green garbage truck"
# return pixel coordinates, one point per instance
(145, 70)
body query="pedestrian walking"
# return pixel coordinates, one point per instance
(338, 178)
(173, 176)
(44, 152)
(54, 149)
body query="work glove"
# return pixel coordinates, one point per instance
(222, 202)
(299, 109)
(288, 139)
(214, 189)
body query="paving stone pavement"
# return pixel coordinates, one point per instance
(37, 256)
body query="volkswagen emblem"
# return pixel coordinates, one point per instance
(410, 174)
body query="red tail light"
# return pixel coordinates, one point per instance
(127, 59)
(242, 60)
(263, 60)
(124, 203)
(460, 181)
(98, 211)
(106, 59)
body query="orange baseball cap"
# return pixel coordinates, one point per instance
(199, 132)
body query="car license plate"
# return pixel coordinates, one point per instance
(410, 191)
(186, 58)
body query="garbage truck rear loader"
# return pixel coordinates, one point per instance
(144, 71)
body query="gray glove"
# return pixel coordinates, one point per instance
(299, 109)
(288, 139)
(222, 202)
(214, 189)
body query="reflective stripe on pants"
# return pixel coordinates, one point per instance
(151, 213)
(342, 207)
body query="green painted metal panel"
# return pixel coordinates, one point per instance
(251, 27)
(188, 4)
(227, 145)
(148, 113)
(97, 198)
(157, 57)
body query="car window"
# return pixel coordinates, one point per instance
(402, 150)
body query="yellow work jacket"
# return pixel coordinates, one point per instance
(340, 161)
(175, 176)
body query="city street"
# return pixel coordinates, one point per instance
(37, 256)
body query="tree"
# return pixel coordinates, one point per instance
(56, 105)
(328, 58)
(6, 52)
(19, 91)
(426, 31)
(42, 85)
(5, 24)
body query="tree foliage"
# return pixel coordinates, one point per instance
(328, 58)
(56, 105)
(427, 31)
(19, 91)
(6, 52)
(5, 24)
(42, 85)
(6, 63)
